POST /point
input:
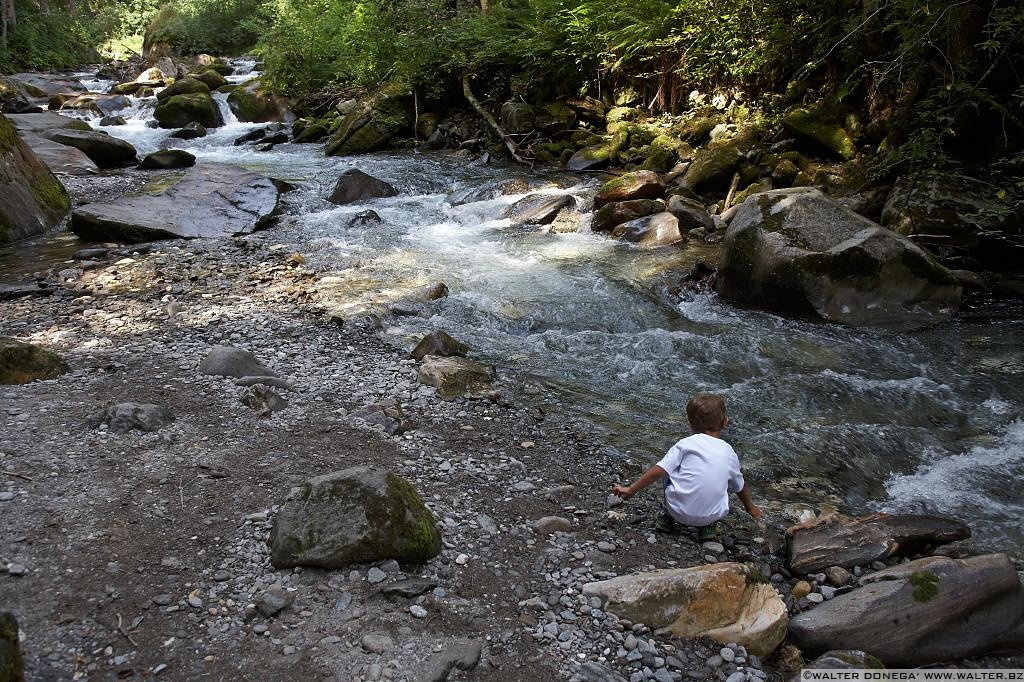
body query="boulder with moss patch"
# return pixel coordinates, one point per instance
(180, 110)
(34, 200)
(643, 184)
(798, 251)
(373, 123)
(728, 602)
(618, 212)
(820, 130)
(11, 663)
(210, 77)
(184, 86)
(712, 167)
(593, 157)
(22, 362)
(944, 609)
(354, 516)
(252, 103)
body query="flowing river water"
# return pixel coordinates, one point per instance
(929, 421)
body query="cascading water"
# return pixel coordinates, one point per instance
(920, 421)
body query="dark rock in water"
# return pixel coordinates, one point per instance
(409, 588)
(11, 663)
(9, 292)
(89, 254)
(272, 134)
(211, 200)
(124, 417)
(311, 133)
(590, 158)
(798, 251)
(105, 150)
(357, 515)
(21, 363)
(637, 185)
(836, 540)
(365, 219)
(263, 399)
(955, 215)
(167, 159)
(251, 103)
(438, 343)
(113, 121)
(189, 132)
(254, 135)
(539, 209)
(355, 185)
(650, 232)
(233, 362)
(618, 212)
(183, 86)
(180, 110)
(690, 214)
(33, 199)
(388, 416)
(263, 147)
(926, 611)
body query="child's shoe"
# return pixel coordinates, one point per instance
(708, 532)
(665, 523)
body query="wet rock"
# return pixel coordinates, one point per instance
(311, 133)
(629, 186)
(798, 251)
(180, 110)
(167, 159)
(274, 600)
(46, 85)
(356, 186)
(838, 576)
(947, 609)
(210, 77)
(183, 86)
(59, 158)
(837, 540)
(211, 200)
(846, 659)
(439, 343)
(124, 417)
(104, 150)
(191, 131)
(618, 212)
(263, 399)
(432, 292)
(11, 664)
(538, 209)
(453, 376)
(357, 515)
(460, 655)
(711, 167)
(725, 601)
(650, 232)
(9, 292)
(21, 362)
(33, 199)
(227, 361)
(409, 588)
(38, 123)
(252, 103)
(594, 157)
(365, 219)
(691, 214)
(113, 121)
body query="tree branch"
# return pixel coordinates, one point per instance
(509, 142)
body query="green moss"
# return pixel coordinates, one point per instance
(11, 666)
(8, 135)
(754, 574)
(821, 129)
(51, 196)
(926, 586)
(5, 227)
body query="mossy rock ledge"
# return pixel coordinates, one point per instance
(353, 516)
(21, 362)
(33, 199)
(178, 111)
(11, 664)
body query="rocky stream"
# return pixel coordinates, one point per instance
(213, 383)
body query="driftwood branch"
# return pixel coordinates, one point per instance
(17, 475)
(509, 142)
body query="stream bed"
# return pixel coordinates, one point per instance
(926, 421)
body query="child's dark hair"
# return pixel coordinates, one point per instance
(706, 412)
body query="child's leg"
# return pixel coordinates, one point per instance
(665, 523)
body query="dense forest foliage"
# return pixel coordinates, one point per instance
(924, 83)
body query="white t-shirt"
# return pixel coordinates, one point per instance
(702, 471)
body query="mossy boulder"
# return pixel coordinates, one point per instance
(373, 123)
(618, 212)
(712, 168)
(180, 110)
(799, 251)
(185, 86)
(642, 184)
(619, 114)
(354, 516)
(313, 132)
(664, 152)
(697, 127)
(821, 130)
(21, 362)
(34, 200)
(11, 664)
(554, 117)
(210, 77)
(590, 158)
(252, 103)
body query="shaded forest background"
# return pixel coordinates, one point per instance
(924, 84)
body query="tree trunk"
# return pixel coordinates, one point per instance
(12, 17)
(44, 7)
(485, 6)
(72, 7)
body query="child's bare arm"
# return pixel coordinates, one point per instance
(653, 474)
(748, 503)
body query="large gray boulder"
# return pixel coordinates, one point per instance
(211, 200)
(227, 361)
(354, 186)
(33, 200)
(727, 601)
(796, 250)
(926, 611)
(650, 232)
(60, 158)
(104, 150)
(837, 540)
(353, 516)
(955, 216)
(124, 417)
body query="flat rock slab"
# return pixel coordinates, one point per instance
(725, 601)
(227, 361)
(211, 200)
(46, 120)
(925, 611)
(463, 655)
(105, 150)
(125, 417)
(453, 376)
(60, 158)
(837, 540)
(539, 209)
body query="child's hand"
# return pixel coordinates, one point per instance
(756, 512)
(624, 493)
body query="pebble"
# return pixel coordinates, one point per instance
(163, 599)
(375, 575)
(838, 576)
(377, 643)
(16, 569)
(801, 589)
(222, 576)
(195, 602)
(714, 661)
(714, 547)
(260, 628)
(462, 559)
(6, 496)
(727, 654)
(738, 676)
(606, 546)
(878, 565)
(417, 611)
(815, 598)
(828, 592)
